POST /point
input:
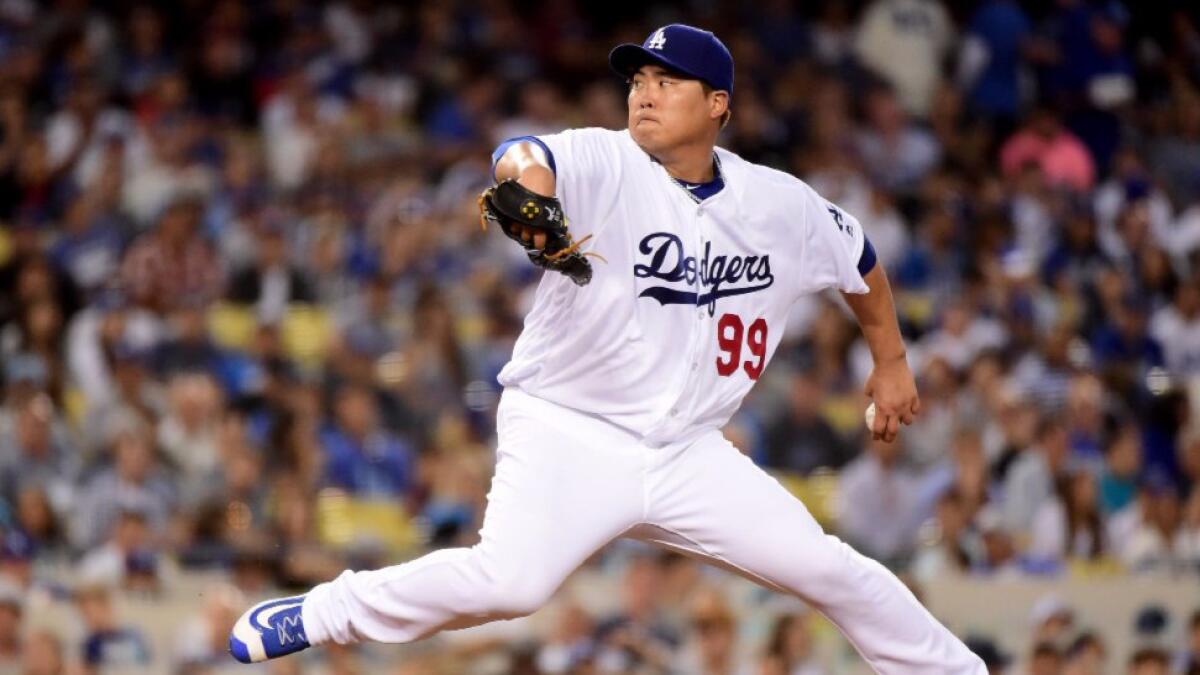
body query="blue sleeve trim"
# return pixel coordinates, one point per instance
(866, 261)
(503, 148)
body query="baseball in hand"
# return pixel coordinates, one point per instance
(870, 416)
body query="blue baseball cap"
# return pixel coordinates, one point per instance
(683, 48)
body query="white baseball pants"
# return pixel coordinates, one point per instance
(567, 483)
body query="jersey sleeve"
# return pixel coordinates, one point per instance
(509, 142)
(836, 253)
(587, 168)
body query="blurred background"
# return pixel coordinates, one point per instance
(250, 327)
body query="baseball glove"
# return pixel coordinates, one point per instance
(509, 203)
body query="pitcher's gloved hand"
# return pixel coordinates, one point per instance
(514, 208)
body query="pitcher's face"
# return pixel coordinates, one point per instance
(667, 110)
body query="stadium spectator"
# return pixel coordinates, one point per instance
(1060, 155)
(1149, 661)
(108, 643)
(638, 635)
(1031, 480)
(133, 483)
(172, 263)
(1087, 653)
(1068, 526)
(361, 456)
(710, 645)
(904, 41)
(790, 647)
(878, 508)
(993, 657)
(802, 439)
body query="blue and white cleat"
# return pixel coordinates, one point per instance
(269, 630)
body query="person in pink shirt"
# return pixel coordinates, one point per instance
(1063, 158)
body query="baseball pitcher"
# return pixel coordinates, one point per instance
(627, 369)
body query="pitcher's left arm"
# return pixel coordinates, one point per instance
(891, 385)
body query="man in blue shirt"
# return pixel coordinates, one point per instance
(361, 456)
(998, 31)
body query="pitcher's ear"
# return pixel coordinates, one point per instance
(719, 107)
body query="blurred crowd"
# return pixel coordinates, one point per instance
(242, 287)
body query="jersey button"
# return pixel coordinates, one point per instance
(674, 412)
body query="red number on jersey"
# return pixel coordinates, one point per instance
(756, 339)
(729, 339)
(730, 331)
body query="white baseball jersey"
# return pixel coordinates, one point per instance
(689, 303)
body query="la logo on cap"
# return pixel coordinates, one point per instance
(658, 40)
